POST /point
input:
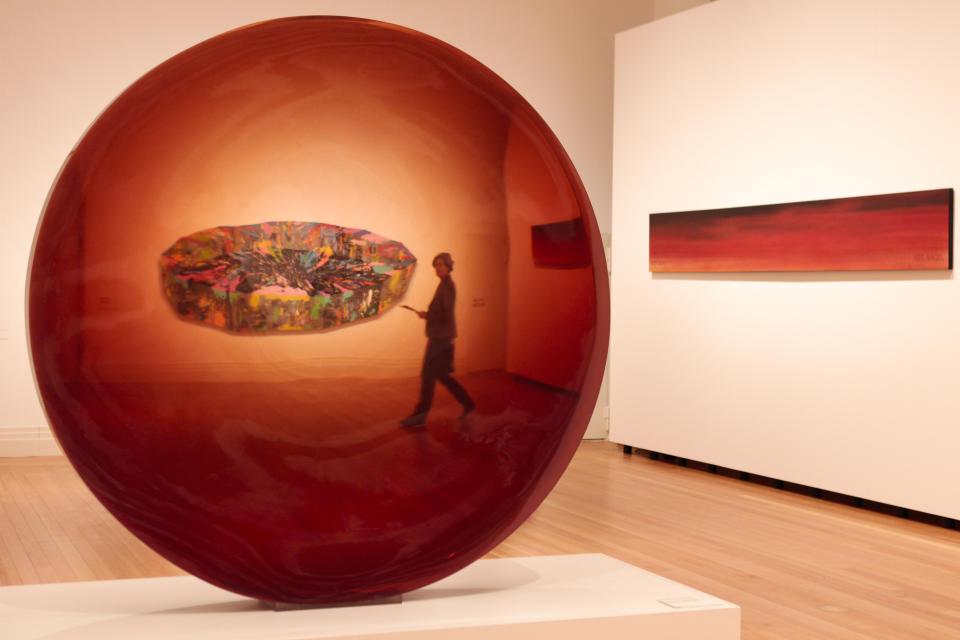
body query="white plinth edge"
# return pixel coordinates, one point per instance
(557, 597)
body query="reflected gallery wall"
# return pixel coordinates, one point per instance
(215, 314)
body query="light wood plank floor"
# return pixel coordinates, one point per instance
(800, 568)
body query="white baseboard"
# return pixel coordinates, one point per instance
(22, 442)
(599, 426)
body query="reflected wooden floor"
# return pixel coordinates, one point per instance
(800, 568)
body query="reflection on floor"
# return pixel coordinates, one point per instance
(218, 473)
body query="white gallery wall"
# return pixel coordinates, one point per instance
(842, 381)
(63, 61)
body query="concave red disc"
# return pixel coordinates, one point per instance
(274, 464)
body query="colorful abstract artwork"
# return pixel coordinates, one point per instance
(899, 231)
(284, 276)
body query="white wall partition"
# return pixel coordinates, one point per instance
(843, 381)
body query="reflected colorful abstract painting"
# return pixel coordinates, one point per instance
(284, 276)
(899, 231)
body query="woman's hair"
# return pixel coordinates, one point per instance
(445, 258)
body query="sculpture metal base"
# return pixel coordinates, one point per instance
(294, 606)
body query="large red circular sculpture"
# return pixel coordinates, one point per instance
(273, 463)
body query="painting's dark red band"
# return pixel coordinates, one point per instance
(896, 231)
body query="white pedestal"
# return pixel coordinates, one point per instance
(591, 597)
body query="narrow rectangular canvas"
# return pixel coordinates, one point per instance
(885, 232)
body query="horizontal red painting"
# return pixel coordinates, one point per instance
(885, 232)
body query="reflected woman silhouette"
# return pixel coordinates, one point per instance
(438, 360)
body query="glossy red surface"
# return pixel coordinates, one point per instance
(275, 465)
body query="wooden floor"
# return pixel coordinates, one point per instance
(800, 568)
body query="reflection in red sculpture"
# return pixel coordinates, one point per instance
(284, 276)
(274, 465)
